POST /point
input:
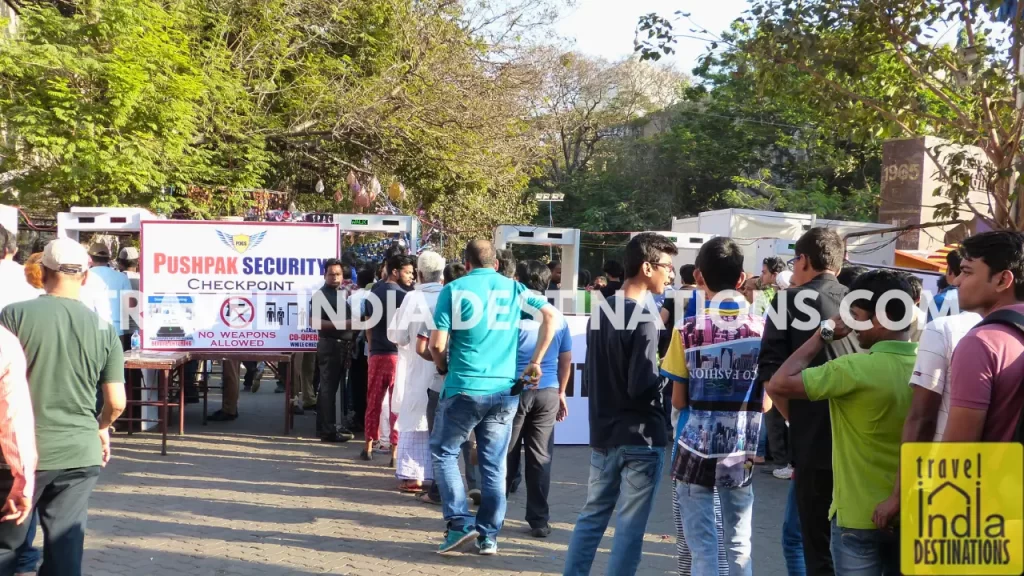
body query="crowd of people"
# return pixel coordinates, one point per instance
(471, 361)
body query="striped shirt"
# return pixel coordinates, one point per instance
(17, 424)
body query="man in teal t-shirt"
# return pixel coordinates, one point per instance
(474, 344)
(868, 399)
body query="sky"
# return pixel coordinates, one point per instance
(606, 27)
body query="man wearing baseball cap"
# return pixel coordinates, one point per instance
(69, 351)
(105, 289)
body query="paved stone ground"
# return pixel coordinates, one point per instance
(237, 498)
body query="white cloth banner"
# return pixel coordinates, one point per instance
(232, 286)
(575, 429)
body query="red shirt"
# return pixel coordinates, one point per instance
(17, 424)
(987, 369)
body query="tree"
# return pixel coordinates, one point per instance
(893, 68)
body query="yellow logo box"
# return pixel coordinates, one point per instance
(961, 508)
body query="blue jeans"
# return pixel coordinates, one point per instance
(792, 539)
(28, 555)
(632, 472)
(857, 552)
(490, 415)
(699, 527)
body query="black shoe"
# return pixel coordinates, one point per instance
(279, 389)
(222, 416)
(297, 410)
(475, 496)
(541, 531)
(366, 455)
(335, 438)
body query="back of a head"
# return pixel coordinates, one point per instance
(366, 275)
(823, 248)
(584, 279)
(645, 247)
(8, 241)
(521, 270)
(686, 274)
(506, 262)
(613, 269)
(916, 286)
(850, 273)
(1000, 250)
(720, 261)
(430, 266)
(774, 264)
(953, 259)
(395, 249)
(878, 283)
(34, 270)
(481, 254)
(538, 276)
(453, 272)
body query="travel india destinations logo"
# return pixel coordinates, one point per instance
(962, 508)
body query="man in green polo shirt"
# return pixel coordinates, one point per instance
(868, 400)
(70, 352)
(474, 344)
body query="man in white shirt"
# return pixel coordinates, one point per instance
(929, 409)
(104, 288)
(12, 275)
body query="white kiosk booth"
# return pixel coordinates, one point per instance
(381, 223)
(567, 239)
(688, 244)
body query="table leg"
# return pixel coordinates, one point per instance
(288, 399)
(165, 375)
(129, 386)
(181, 400)
(206, 386)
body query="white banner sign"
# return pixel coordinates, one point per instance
(232, 286)
(575, 429)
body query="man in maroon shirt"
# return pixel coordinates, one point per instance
(985, 400)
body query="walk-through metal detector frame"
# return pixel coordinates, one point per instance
(566, 239)
(102, 220)
(381, 223)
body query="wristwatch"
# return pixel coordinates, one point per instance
(828, 331)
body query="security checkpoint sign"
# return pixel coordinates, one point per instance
(232, 286)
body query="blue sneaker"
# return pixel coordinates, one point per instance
(486, 547)
(453, 539)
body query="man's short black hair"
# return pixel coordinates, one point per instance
(553, 264)
(646, 247)
(942, 283)
(774, 264)
(365, 276)
(537, 276)
(878, 283)
(453, 272)
(506, 262)
(1000, 250)
(395, 249)
(916, 286)
(400, 261)
(8, 241)
(953, 259)
(333, 262)
(686, 274)
(480, 254)
(584, 279)
(850, 273)
(613, 269)
(822, 247)
(720, 261)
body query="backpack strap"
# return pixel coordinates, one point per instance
(1013, 319)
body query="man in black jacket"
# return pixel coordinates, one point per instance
(814, 298)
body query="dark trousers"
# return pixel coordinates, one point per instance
(534, 423)
(334, 357)
(62, 502)
(28, 555)
(357, 388)
(778, 436)
(813, 499)
(250, 373)
(467, 448)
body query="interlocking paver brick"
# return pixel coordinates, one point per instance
(233, 498)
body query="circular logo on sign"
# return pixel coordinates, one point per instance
(237, 312)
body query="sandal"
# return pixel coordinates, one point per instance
(426, 499)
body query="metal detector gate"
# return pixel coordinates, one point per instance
(567, 239)
(381, 223)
